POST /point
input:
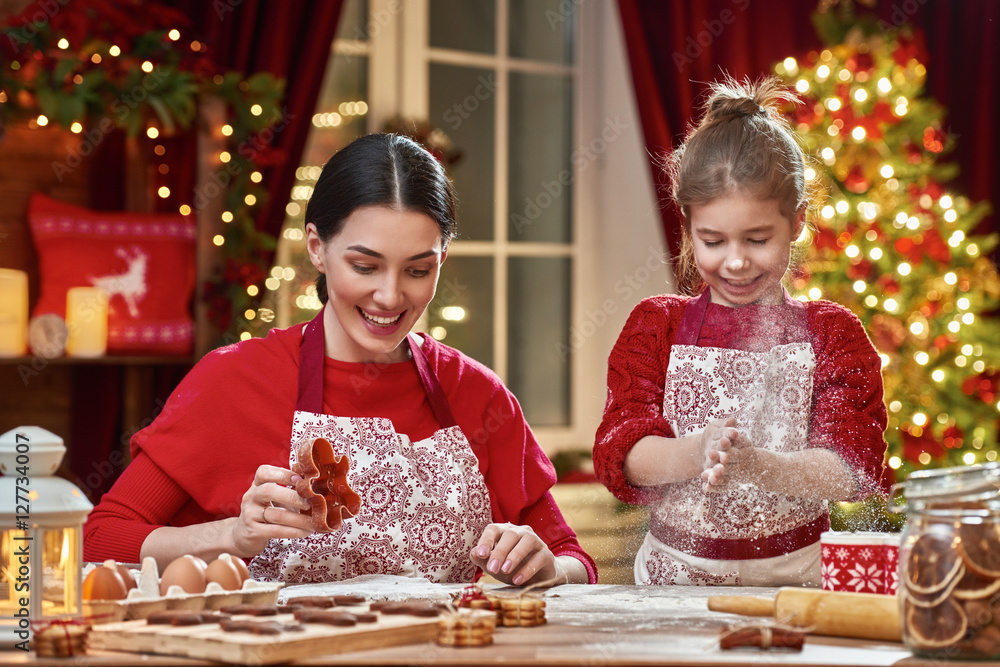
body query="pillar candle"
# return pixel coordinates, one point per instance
(87, 321)
(13, 312)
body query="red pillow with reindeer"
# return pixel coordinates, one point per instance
(145, 262)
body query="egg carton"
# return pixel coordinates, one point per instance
(146, 598)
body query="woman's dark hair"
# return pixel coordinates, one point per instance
(380, 170)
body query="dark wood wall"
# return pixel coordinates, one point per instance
(95, 405)
(34, 391)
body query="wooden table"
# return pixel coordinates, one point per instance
(602, 625)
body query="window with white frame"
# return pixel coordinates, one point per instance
(500, 78)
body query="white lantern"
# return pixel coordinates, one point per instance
(41, 533)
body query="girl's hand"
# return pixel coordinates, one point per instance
(270, 509)
(717, 438)
(738, 463)
(513, 554)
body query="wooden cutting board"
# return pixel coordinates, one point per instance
(209, 642)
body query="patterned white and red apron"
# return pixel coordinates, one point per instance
(424, 504)
(743, 536)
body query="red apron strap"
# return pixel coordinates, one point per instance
(694, 315)
(311, 360)
(435, 394)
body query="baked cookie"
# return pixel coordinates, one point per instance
(522, 611)
(60, 640)
(184, 617)
(467, 627)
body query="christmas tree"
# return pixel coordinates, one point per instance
(894, 244)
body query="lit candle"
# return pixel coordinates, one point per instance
(13, 312)
(87, 321)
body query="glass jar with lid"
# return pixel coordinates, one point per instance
(949, 561)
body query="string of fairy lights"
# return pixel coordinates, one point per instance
(96, 84)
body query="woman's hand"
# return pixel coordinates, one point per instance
(514, 554)
(270, 509)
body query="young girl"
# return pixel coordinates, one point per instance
(737, 414)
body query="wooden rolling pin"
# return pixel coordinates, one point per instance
(858, 615)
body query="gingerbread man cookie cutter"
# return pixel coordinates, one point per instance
(324, 485)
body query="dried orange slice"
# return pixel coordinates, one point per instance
(932, 563)
(973, 586)
(936, 627)
(938, 596)
(979, 544)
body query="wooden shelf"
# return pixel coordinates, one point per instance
(118, 360)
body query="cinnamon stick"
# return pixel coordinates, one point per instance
(764, 637)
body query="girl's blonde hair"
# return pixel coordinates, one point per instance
(742, 145)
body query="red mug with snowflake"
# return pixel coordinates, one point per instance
(862, 562)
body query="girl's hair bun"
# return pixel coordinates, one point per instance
(720, 107)
(730, 98)
(743, 145)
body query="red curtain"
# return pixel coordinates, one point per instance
(675, 47)
(292, 41)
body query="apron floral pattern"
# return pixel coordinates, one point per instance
(424, 504)
(664, 570)
(769, 394)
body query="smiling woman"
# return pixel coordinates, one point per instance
(450, 476)
(377, 286)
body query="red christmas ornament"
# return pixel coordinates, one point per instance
(265, 154)
(912, 152)
(807, 114)
(910, 249)
(934, 140)
(825, 239)
(935, 246)
(953, 437)
(888, 285)
(986, 386)
(914, 446)
(932, 189)
(845, 114)
(251, 274)
(856, 181)
(860, 62)
(859, 270)
(883, 114)
(930, 309)
(873, 127)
